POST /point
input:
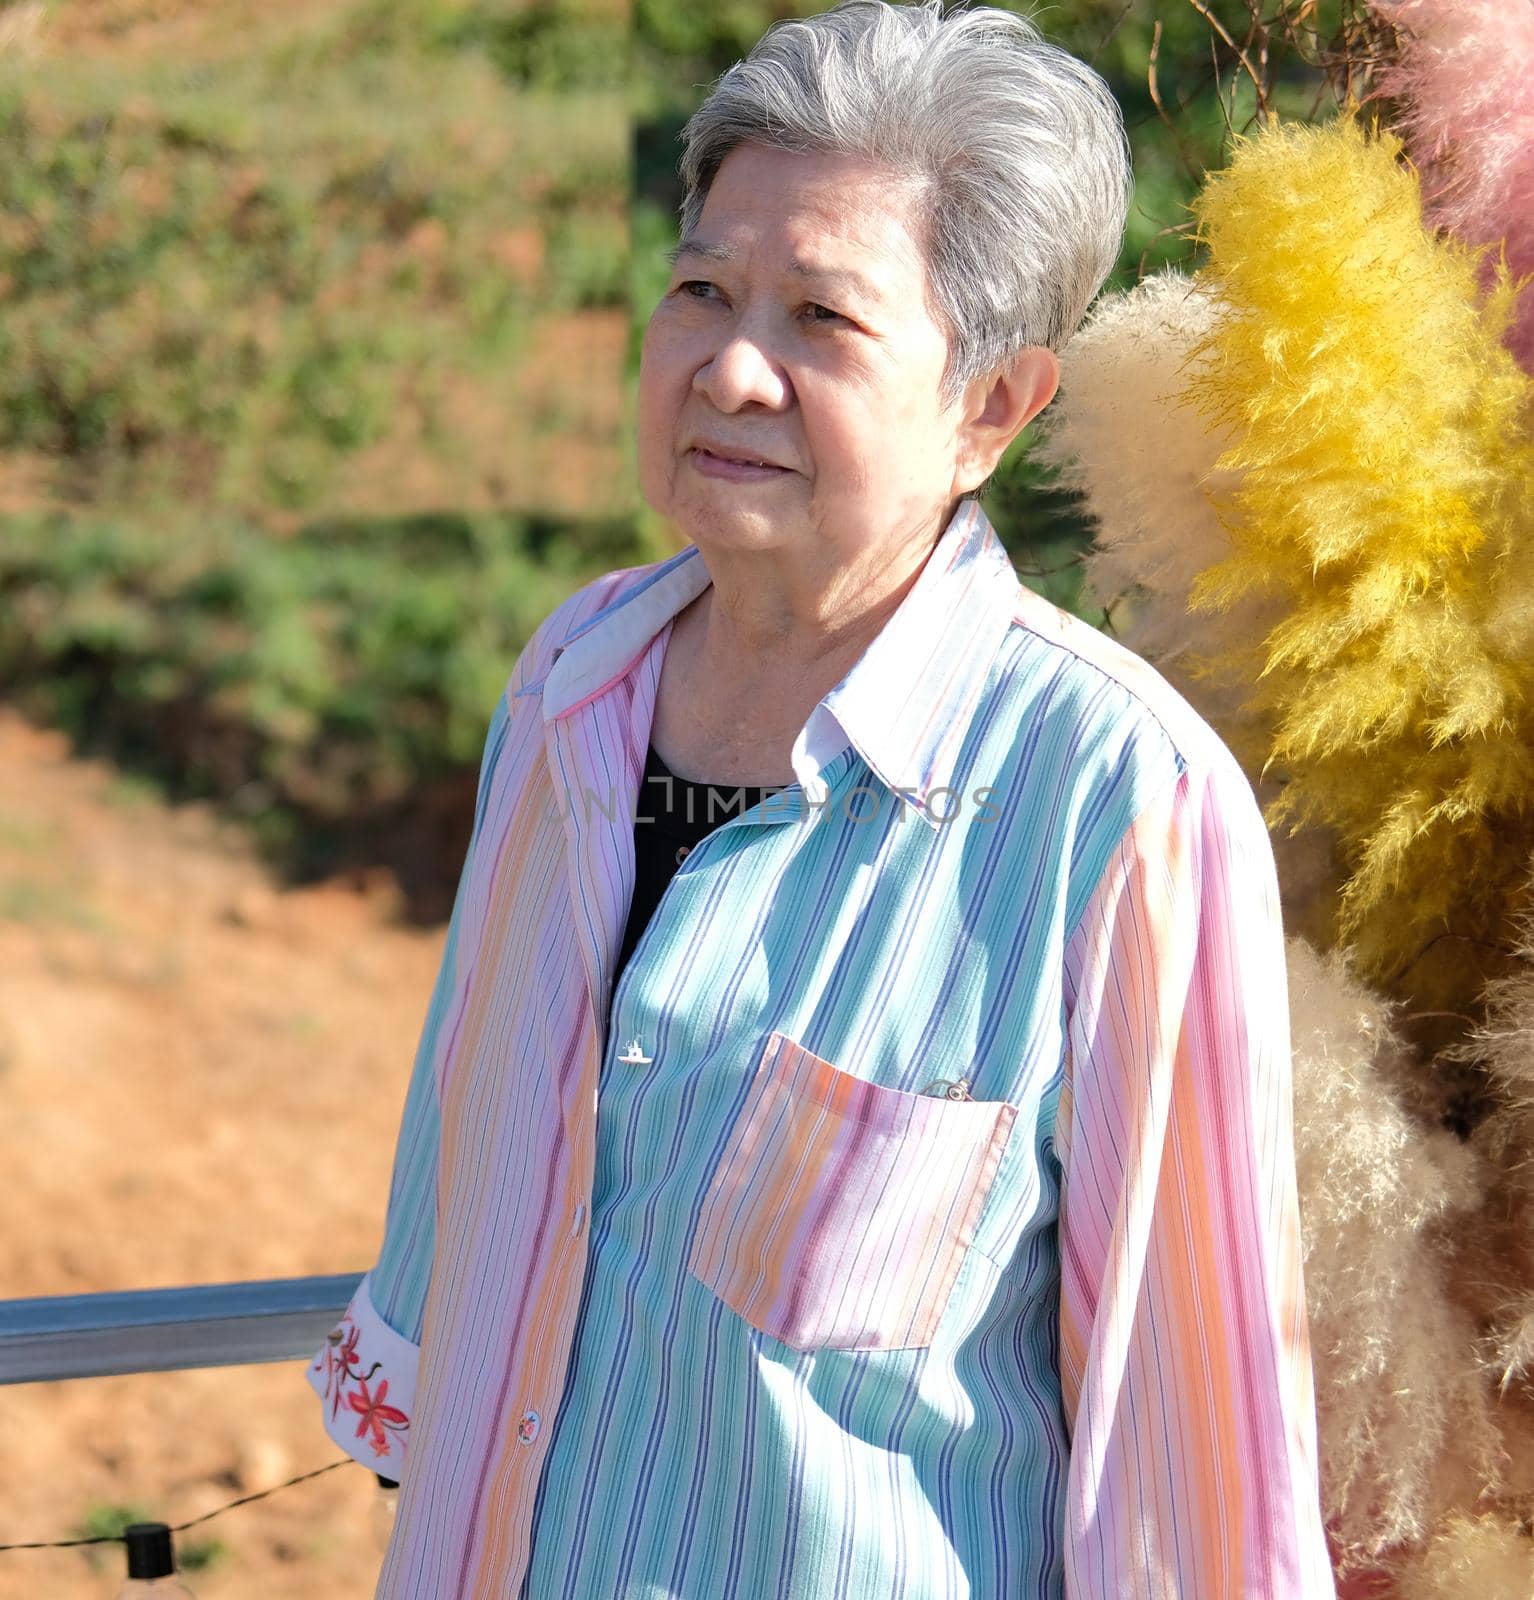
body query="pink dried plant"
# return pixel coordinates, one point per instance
(1464, 76)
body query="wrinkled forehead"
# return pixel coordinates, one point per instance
(814, 217)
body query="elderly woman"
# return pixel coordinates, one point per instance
(882, 1188)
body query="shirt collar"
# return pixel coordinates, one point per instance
(907, 702)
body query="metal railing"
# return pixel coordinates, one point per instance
(164, 1330)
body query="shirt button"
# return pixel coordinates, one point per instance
(527, 1428)
(681, 853)
(579, 1220)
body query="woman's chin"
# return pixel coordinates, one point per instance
(721, 525)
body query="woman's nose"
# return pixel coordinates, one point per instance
(739, 373)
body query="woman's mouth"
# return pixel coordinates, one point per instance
(741, 470)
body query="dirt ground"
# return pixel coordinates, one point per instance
(202, 1072)
(201, 1076)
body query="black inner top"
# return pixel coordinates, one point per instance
(670, 818)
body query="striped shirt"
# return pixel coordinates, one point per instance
(916, 1220)
(675, 814)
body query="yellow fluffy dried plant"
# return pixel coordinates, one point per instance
(1383, 500)
(1122, 433)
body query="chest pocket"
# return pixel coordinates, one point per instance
(841, 1210)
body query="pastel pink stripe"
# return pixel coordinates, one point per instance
(1185, 1361)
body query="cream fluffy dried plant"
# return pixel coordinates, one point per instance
(1473, 1558)
(1504, 1044)
(1406, 1420)
(1121, 433)
(1512, 1352)
(1499, 1280)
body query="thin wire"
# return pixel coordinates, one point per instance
(181, 1527)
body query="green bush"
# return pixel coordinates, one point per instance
(324, 675)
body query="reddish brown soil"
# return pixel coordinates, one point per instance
(201, 1077)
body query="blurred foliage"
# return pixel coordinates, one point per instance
(334, 673)
(680, 49)
(221, 279)
(259, 276)
(562, 46)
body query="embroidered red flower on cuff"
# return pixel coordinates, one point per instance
(376, 1415)
(346, 1352)
(345, 1378)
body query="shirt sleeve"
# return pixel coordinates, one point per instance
(1184, 1346)
(365, 1372)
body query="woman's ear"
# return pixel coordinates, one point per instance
(997, 408)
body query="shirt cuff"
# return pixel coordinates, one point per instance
(365, 1374)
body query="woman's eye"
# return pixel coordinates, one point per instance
(702, 289)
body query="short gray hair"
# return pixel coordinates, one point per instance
(1019, 146)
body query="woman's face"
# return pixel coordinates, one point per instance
(795, 330)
